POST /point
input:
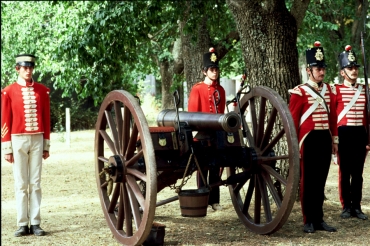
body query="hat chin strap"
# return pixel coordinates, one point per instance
(312, 73)
(344, 69)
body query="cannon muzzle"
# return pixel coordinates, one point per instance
(198, 121)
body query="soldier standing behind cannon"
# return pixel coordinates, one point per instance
(202, 99)
(25, 140)
(351, 110)
(313, 110)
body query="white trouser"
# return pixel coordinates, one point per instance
(27, 152)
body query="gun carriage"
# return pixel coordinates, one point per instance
(133, 161)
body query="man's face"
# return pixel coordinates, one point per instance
(350, 73)
(212, 73)
(25, 72)
(317, 74)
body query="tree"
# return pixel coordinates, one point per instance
(91, 48)
(269, 34)
(337, 24)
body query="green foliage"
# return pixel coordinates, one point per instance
(331, 23)
(82, 112)
(232, 64)
(89, 48)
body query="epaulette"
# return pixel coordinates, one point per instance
(296, 90)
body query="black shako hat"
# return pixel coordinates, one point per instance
(210, 59)
(25, 60)
(347, 58)
(315, 56)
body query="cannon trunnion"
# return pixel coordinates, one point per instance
(256, 145)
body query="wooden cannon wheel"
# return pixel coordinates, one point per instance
(264, 200)
(127, 191)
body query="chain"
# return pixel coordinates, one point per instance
(178, 188)
(184, 181)
(174, 187)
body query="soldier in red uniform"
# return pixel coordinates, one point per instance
(312, 106)
(351, 110)
(25, 140)
(202, 99)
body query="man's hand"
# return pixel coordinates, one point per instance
(9, 158)
(45, 155)
(334, 148)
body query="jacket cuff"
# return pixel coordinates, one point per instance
(336, 139)
(6, 147)
(46, 145)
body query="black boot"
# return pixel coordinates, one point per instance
(22, 231)
(359, 214)
(36, 229)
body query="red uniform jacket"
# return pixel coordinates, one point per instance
(356, 115)
(301, 101)
(201, 98)
(24, 110)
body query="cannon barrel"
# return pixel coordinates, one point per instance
(198, 121)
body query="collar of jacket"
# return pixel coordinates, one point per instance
(313, 84)
(349, 84)
(23, 82)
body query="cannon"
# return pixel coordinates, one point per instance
(256, 144)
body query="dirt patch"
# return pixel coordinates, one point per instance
(71, 212)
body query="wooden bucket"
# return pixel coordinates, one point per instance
(194, 203)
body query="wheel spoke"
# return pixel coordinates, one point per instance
(238, 187)
(114, 199)
(134, 159)
(273, 173)
(249, 195)
(134, 206)
(264, 198)
(137, 174)
(269, 128)
(132, 142)
(128, 214)
(119, 123)
(126, 129)
(113, 129)
(261, 121)
(103, 159)
(272, 189)
(121, 208)
(108, 141)
(252, 108)
(136, 192)
(273, 142)
(257, 202)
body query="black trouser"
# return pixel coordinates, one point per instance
(352, 153)
(317, 149)
(213, 177)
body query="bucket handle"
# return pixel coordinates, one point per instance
(178, 189)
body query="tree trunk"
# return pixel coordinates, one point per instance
(166, 78)
(359, 23)
(193, 53)
(268, 35)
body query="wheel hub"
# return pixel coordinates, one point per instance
(116, 168)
